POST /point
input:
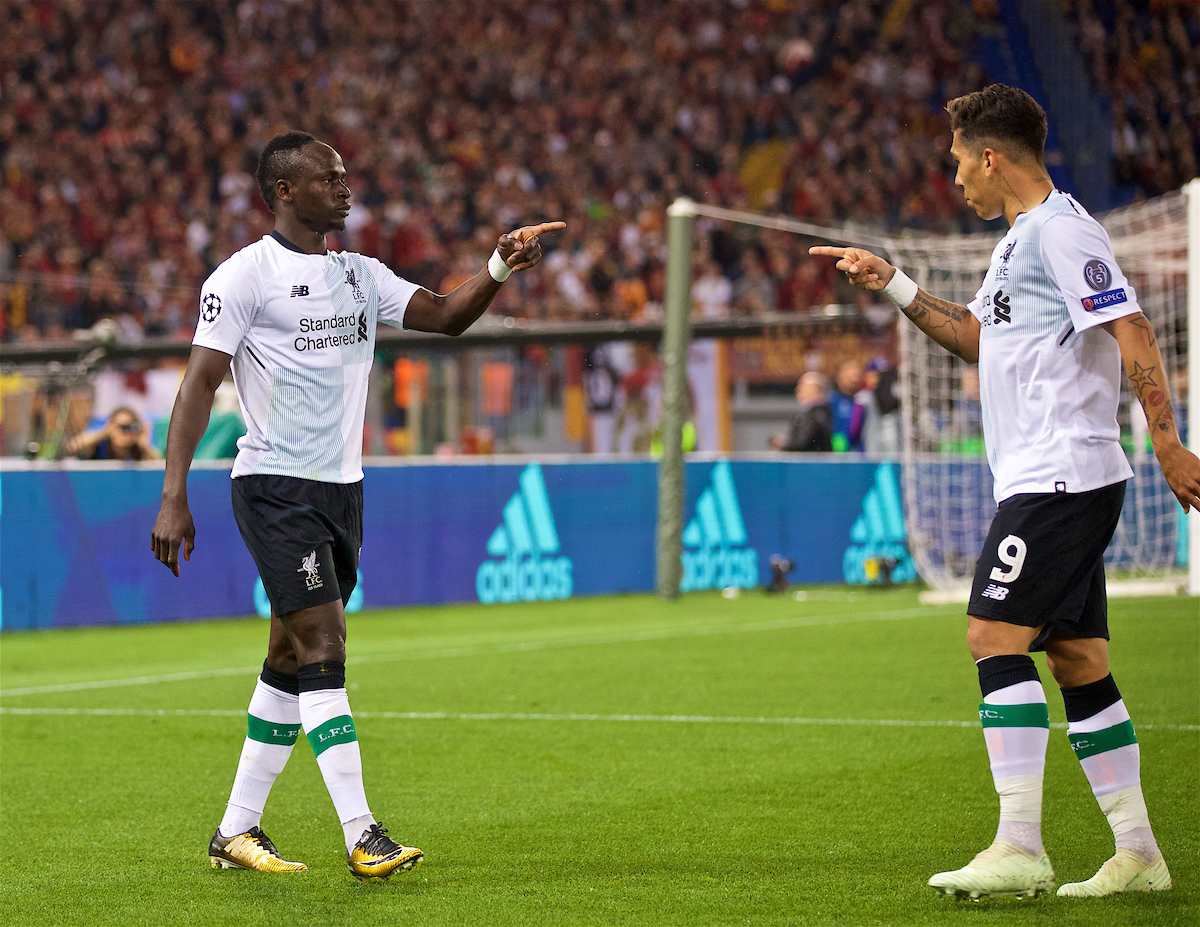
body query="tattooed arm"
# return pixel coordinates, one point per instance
(1147, 376)
(949, 324)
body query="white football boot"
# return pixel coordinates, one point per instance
(1001, 869)
(1126, 871)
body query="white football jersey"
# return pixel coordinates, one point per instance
(301, 330)
(1049, 377)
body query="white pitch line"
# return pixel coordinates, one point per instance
(132, 681)
(523, 716)
(519, 647)
(129, 712)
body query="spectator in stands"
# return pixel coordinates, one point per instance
(641, 411)
(711, 293)
(848, 415)
(808, 286)
(123, 437)
(602, 397)
(880, 401)
(755, 291)
(811, 430)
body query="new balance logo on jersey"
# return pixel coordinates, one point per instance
(716, 536)
(309, 566)
(362, 326)
(299, 291)
(999, 593)
(1002, 308)
(525, 571)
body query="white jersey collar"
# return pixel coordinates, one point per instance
(291, 247)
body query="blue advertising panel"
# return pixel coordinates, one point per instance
(75, 542)
(828, 517)
(75, 550)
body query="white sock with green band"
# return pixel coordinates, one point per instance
(1016, 729)
(1102, 736)
(272, 726)
(325, 713)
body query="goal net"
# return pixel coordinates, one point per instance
(947, 483)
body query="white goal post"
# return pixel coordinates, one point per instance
(947, 483)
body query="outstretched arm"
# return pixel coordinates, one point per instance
(1148, 377)
(455, 312)
(949, 324)
(85, 442)
(173, 528)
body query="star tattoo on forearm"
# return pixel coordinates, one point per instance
(1141, 377)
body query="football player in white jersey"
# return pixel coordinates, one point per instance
(297, 324)
(1049, 328)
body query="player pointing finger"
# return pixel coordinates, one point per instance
(520, 249)
(297, 480)
(866, 271)
(1052, 323)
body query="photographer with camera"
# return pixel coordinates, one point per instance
(123, 437)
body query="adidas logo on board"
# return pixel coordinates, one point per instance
(525, 540)
(716, 536)
(879, 534)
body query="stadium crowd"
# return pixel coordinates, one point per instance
(130, 131)
(1146, 57)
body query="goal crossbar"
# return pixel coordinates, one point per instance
(946, 481)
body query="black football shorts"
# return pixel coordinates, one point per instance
(305, 537)
(1043, 562)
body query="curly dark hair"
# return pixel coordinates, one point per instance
(278, 161)
(1001, 117)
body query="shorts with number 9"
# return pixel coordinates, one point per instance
(1043, 562)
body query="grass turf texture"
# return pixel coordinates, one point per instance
(526, 820)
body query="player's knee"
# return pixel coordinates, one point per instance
(334, 651)
(1066, 668)
(975, 644)
(988, 638)
(979, 639)
(1075, 662)
(321, 648)
(283, 660)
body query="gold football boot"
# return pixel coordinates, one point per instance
(377, 856)
(251, 850)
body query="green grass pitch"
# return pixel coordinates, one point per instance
(599, 761)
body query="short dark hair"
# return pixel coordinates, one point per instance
(1004, 117)
(119, 409)
(278, 161)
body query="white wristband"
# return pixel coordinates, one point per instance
(901, 289)
(499, 270)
